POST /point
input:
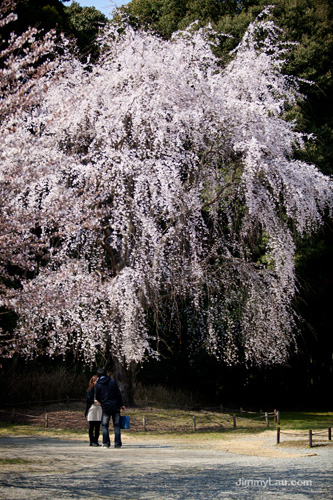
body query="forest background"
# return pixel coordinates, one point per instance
(306, 378)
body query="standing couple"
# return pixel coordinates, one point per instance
(104, 400)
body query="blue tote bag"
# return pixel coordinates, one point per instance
(125, 422)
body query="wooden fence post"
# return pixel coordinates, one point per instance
(194, 424)
(310, 439)
(278, 435)
(144, 423)
(330, 433)
(46, 421)
(267, 419)
(234, 419)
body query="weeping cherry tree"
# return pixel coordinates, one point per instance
(154, 183)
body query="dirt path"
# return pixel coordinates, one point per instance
(247, 467)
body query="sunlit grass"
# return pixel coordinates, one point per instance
(306, 420)
(9, 429)
(15, 461)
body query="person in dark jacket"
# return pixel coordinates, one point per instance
(93, 412)
(108, 394)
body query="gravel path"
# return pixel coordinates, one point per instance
(242, 467)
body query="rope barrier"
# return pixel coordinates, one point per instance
(213, 419)
(310, 434)
(187, 408)
(290, 433)
(26, 415)
(300, 435)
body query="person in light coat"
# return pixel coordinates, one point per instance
(93, 412)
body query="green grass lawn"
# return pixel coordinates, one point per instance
(306, 420)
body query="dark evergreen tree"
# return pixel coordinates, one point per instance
(85, 23)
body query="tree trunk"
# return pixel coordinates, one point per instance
(125, 375)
